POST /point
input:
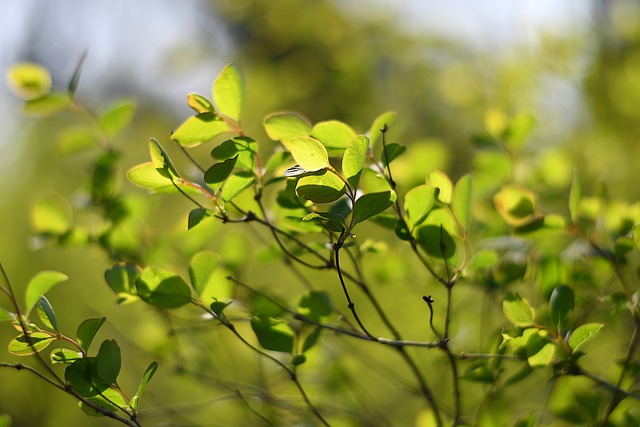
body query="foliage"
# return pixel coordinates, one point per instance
(324, 196)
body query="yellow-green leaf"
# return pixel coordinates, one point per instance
(308, 152)
(29, 80)
(229, 92)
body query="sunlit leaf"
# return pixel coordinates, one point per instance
(36, 341)
(540, 351)
(354, 158)
(322, 188)
(517, 310)
(88, 330)
(372, 204)
(246, 149)
(40, 285)
(148, 374)
(146, 175)
(284, 126)
(162, 288)
(216, 175)
(461, 200)
(584, 333)
(208, 279)
(383, 119)
(229, 92)
(198, 215)
(51, 214)
(418, 203)
(49, 105)
(46, 313)
(121, 278)
(272, 335)
(391, 152)
(29, 80)
(200, 129)
(65, 356)
(117, 117)
(442, 183)
(333, 222)
(308, 152)
(483, 259)
(516, 205)
(333, 134)
(236, 184)
(199, 103)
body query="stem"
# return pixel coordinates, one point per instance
(350, 304)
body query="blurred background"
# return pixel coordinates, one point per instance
(441, 65)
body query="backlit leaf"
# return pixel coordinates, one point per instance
(308, 152)
(121, 278)
(383, 119)
(442, 182)
(29, 80)
(198, 215)
(162, 288)
(117, 117)
(333, 134)
(6, 315)
(65, 355)
(148, 374)
(218, 173)
(561, 305)
(322, 188)
(418, 203)
(199, 103)
(46, 313)
(583, 333)
(229, 92)
(200, 129)
(236, 184)
(354, 159)
(246, 149)
(40, 285)
(51, 214)
(391, 152)
(272, 335)
(49, 105)
(284, 126)
(146, 175)
(517, 310)
(23, 346)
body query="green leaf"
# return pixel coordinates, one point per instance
(209, 281)
(236, 184)
(584, 333)
(384, 119)
(40, 285)
(75, 78)
(6, 315)
(218, 173)
(163, 289)
(200, 129)
(540, 351)
(229, 92)
(321, 188)
(483, 259)
(311, 339)
(197, 215)
(461, 200)
(109, 399)
(442, 182)
(518, 129)
(575, 195)
(516, 205)
(284, 126)
(49, 105)
(147, 176)
(272, 335)
(354, 158)
(561, 306)
(148, 374)
(88, 330)
(436, 241)
(29, 80)
(51, 214)
(334, 134)
(84, 379)
(334, 222)
(263, 306)
(117, 117)
(517, 310)
(199, 103)
(65, 356)
(315, 304)
(161, 160)
(308, 152)
(218, 307)
(372, 204)
(391, 152)
(246, 149)
(23, 346)
(418, 202)
(46, 313)
(121, 278)
(75, 139)
(108, 361)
